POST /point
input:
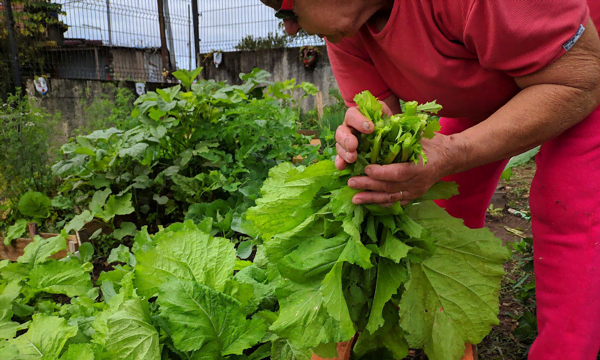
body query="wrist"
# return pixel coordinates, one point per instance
(459, 150)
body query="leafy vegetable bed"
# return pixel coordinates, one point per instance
(323, 269)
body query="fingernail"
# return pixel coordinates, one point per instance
(367, 126)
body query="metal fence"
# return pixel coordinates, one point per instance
(140, 40)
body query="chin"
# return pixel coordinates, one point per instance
(334, 39)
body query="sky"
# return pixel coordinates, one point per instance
(134, 23)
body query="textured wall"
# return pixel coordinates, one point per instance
(284, 64)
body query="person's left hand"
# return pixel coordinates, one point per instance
(388, 184)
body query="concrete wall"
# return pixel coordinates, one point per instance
(72, 98)
(284, 64)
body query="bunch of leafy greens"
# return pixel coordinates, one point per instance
(181, 294)
(192, 143)
(400, 277)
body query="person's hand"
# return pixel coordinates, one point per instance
(404, 182)
(346, 135)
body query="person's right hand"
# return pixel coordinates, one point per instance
(346, 135)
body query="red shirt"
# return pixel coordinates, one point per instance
(463, 53)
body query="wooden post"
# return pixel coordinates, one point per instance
(319, 99)
(33, 230)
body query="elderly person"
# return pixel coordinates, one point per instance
(511, 75)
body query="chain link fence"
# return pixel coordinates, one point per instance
(139, 40)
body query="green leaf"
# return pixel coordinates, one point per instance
(131, 335)
(303, 319)
(62, 203)
(452, 297)
(387, 343)
(430, 107)
(98, 201)
(86, 251)
(16, 231)
(59, 277)
(122, 254)
(79, 221)
(41, 249)
(8, 328)
(441, 190)
(185, 255)
(519, 160)
(126, 229)
(46, 337)
(369, 106)
(282, 349)
(117, 205)
(34, 205)
(205, 321)
(79, 352)
(390, 276)
(244, 249)
(136, 151)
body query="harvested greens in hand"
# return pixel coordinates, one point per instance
(400, 277)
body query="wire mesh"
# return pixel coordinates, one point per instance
(121, 39)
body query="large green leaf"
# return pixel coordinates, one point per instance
(58, 277)
(185, 255)
(41, 249)
(79, 221)
(34, 205)
(452, 297)
(16, 231)
(303, 319)
(206, 321)
(117, 205)
(131, 335)
(46, 337)
(288, 196)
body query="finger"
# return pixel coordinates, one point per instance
(347, 156)
(386, 109)
(346, 138)
(371, 197)
(356, 120)
(394, 172)
(366, 183)
(340, 164)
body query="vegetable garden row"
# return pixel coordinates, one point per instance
(206, 242)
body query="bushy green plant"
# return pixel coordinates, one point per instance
(111, 109)
(26, 152)
(180, 294)
(191, 143)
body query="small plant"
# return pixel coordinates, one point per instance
(26, 152)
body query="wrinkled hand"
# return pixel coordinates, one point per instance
(388, 184)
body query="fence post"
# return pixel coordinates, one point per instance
(10, 27)
(163, 37)
(195, 20)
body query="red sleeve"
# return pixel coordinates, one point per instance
(522, 37)
(354, 70)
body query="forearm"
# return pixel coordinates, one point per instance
(535, 115)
